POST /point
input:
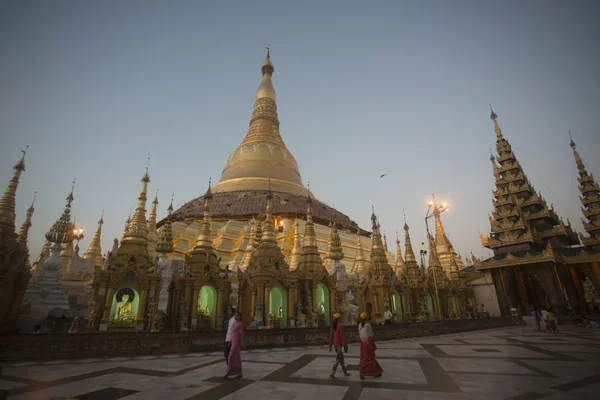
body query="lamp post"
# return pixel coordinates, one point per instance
(77, 235)
(436, 211)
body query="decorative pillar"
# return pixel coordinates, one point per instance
(194, 310)
(267, 303)
(291, 305)
(141, 310)
(107, 305)
(220, 308)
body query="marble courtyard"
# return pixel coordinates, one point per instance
(506, 363)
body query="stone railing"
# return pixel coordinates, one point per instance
(56, 346)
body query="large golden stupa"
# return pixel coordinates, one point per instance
(261, 164)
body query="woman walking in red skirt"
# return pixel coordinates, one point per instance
(368, 365)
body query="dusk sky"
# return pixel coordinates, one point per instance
(363, 89)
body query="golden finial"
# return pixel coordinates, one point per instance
(572, 144)
(267, 66)
(170, 209)
(94, 250)
(208, 194)
(494, 118)
(155, 201)
(70, 197)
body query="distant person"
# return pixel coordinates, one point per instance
(537, 319)
(230, 323)
(338, 340)
(551, 322)
(387, 316)
(234, 361)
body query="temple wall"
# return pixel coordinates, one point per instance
(55, 346)
(230, 242)
(485, 293)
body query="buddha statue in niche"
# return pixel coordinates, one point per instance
(124, 307)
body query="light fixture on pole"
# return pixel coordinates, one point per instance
(433, 213)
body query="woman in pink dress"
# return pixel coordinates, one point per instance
(234, 361)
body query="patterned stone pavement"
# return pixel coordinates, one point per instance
(508, 363)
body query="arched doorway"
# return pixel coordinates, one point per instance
(278, 306)
(207, 304)
(125, 306)
(397, 301)
(430, 309)
(323, 308)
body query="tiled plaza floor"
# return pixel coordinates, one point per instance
(513, 363)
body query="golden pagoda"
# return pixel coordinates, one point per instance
(260, 165)
(14, 270)
(537, 259)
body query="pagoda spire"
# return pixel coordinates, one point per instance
(296, 252)
(204, 240)
(251, 164)
(24, 232)
(250, 248)
(379, 262)
(521, 217)
(399, 270)
(62, 230)
(360, 266)
(94, 251)
(8, 202)
(164, 244)
(409, 253)
(137, 230)
(497, 129)
(268, 233)
(151, 226)
(310, 238)
(590, 200)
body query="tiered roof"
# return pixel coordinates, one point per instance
(590, 200)
(521, 219)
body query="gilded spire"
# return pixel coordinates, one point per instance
(399, 259)
(590, 195)
(409, 254)
(165, 239)
(62, 230)
(494, 118)
(250, 248)
(296, 253)
(151, 226)
(310, 238)
(360, 266)
(7, 203)
(137, 230)
(268, 233)
(24, 232)
(204, 240)
(94, 251)
(335, 244)
(385, 246)
(249, 167)
(266, 86)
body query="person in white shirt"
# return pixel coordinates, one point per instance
(387, 316)
(228, 336)
(368, 364)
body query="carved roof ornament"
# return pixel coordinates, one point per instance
(62, 230)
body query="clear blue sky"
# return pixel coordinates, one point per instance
(362, 89)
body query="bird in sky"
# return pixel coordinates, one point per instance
(382, 175)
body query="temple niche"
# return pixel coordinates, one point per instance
(125, 291)
(197, 295)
